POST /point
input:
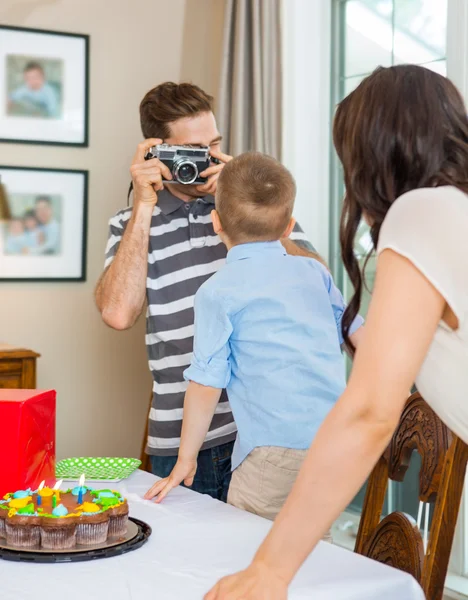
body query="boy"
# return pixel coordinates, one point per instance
(15, 239)
(268, 329)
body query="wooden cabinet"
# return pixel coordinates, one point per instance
(17, 368)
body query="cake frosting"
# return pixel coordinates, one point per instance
(52, 519)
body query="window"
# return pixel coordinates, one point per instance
(369, 33)
(366, 34)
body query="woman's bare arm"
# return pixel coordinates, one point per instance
(402, 320)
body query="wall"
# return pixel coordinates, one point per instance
(100, 375)
(202, 43)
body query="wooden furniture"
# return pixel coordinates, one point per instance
(145, 459)
(17, 368)
(396, 540)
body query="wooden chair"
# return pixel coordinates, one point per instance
(145, 459)
(396, 540)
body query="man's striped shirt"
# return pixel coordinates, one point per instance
(183, 252)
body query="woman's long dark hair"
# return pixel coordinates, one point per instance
(402, 128)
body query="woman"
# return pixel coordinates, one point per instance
(402, 137)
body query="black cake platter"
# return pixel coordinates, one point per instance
(137, 534)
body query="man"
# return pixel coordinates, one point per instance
(36, 97)
(163, 249)
(49, 228)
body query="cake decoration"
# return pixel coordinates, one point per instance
(104, 494)
(27, 510)
(19, 502)
(60, 511)
(58, 520)
(22, 494)
(108, 502)
(90, 507)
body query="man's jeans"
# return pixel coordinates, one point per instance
(213, 473)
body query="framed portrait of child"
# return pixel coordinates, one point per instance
(43, 87)
(43, 224)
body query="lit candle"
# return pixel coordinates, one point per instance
(54, 501)
(56, 488)
(81, 488)
(39, 499)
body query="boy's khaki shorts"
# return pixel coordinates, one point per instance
(263, 481)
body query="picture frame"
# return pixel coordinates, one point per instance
(43, 228)
(44, 87)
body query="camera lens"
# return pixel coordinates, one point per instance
(185, 171)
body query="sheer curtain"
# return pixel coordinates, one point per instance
(249, 100)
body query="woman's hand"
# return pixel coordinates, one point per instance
(257, 582)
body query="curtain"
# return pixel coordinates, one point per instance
(249, 102)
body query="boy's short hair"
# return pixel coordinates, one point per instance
(255, 198)
(169, 102)
(33, 66)
(30, 214)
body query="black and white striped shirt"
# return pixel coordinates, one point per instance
(183, 253)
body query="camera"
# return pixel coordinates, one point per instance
(185, 162)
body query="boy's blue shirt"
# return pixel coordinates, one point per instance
(268, 329)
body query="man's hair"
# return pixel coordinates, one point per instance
(169, 102)
(43, 199)
(255, 198)
(33, 66)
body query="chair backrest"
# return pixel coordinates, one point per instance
(396, 540)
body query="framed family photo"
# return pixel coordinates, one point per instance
(43, 226)
(43, 87)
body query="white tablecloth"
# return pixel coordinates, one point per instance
(195, 541)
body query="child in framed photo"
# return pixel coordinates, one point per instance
(35, 227)
(44, 79)
(43, 225)
(34, 87)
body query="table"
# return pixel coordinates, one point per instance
(195, 541)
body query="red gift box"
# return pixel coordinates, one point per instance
(27, 439)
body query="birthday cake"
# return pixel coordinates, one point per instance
(61, 520)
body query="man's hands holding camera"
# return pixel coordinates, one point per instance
(213, 172)
(147, 175)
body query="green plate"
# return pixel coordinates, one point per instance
(98, 469)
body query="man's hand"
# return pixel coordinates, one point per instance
(257, 582)
(147, 175)
(184, 470)
(213, 173)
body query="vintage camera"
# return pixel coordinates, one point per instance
(185, 162)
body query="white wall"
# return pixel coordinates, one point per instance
(306, 112)
(101, 376)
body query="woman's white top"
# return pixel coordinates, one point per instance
(429, 227)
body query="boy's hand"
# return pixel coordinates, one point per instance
(184, 470)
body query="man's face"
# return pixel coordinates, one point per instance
(43, 212)
(34, 79)
(200, 130)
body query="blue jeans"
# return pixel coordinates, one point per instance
(213, 473)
